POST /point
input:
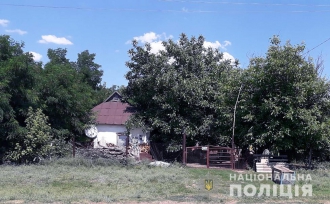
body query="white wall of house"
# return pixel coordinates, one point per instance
(143, 137)
(108, 134)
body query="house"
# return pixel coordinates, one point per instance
(111, 116)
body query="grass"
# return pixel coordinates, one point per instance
(83, 181)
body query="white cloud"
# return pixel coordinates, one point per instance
(156, 47)
(226, 43)
(155, 40)
(214, 45)
(4, 22)
(36, 56)
(151, 37)
(217, 44)
(53, 39)
(18, 31)
(167, 37)
(147, 37)
(227, 56)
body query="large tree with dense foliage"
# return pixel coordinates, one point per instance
(65, 91)
(18, 73)
(67, 97)
(92, 75)
(285, 104)
(89, 69)
(181, 88)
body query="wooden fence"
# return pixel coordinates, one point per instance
(212, 156)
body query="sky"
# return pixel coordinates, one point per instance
(240, 29)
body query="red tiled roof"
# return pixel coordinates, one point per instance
(112, 113)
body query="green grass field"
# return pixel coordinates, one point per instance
(100, 181)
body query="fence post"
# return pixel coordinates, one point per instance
(184, 159)
(233, 158)
(208, 156)
(127, 144)
(186, 156)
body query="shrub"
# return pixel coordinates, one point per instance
(36, 144)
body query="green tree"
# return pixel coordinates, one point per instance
(57, 56)
(67, 99)
(181, 88)
(36, 144)
(64, 93)
(285, 100)
(89, 69)
(18, 77)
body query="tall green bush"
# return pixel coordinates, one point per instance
(37, 143)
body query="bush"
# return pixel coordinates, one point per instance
(36, 144)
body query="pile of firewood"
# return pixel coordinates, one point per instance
(108, 152)
(100, 153)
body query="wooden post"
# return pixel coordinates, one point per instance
(127, 144)
(184, 159)
(233, 158)
(208, 157)
(186, 156)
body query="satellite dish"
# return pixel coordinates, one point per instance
(91, 132)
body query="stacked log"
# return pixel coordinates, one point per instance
(112, 152)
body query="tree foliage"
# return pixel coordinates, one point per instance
(181, 88)
(283, 104)
(89, 69)
(285, 101)
(187, 87)
(36, 144)
(17, 78)
(63, 90)
(67, 98)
